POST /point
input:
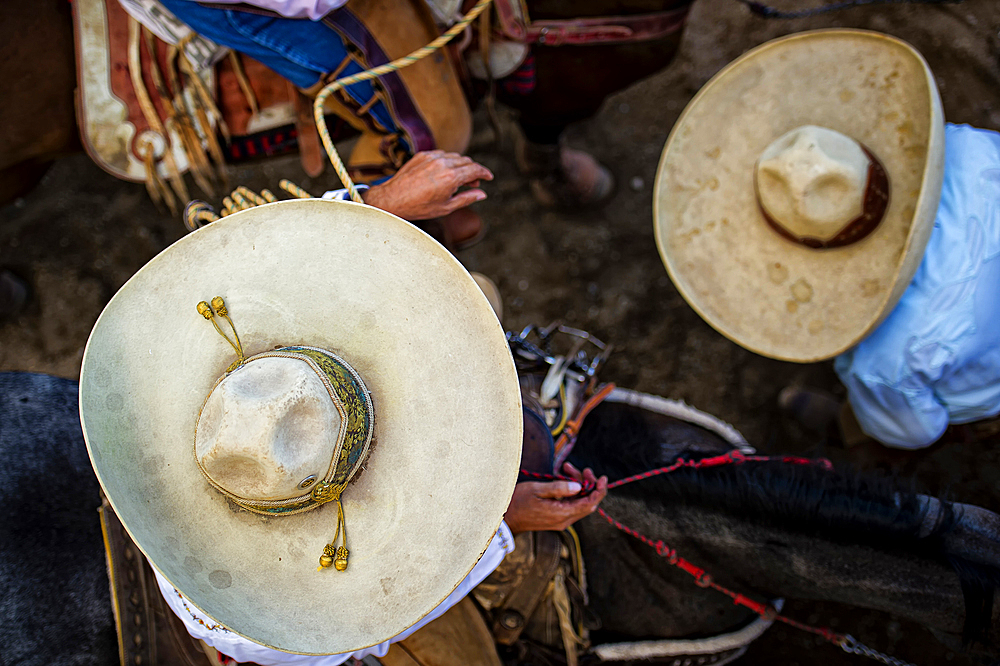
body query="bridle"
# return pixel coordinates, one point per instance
(575, 367)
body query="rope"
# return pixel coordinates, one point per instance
(760, 9)
(294, 189)
(731, 458)
(198, 213)
(393, 66)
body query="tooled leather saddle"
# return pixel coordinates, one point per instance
(154, 105)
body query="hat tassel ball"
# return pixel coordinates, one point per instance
(220, 309)
(332, 553)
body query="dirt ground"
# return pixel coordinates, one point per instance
(81, 234)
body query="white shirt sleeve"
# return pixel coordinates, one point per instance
(241, 649)
(935, 359)
(342, 195)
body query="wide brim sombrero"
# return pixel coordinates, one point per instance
(408, 317)
(770, 295)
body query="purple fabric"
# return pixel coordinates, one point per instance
(416, 132)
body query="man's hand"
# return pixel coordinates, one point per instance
(427, 186)
(547, 506)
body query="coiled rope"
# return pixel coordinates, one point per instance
(329, 89)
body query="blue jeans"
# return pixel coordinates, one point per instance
(300, 50)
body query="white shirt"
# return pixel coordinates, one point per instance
(343, 195)
(242, 649)
(936, 359)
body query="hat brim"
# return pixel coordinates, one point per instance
(409, 318)
(762, 291)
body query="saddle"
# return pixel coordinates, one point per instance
(154, 105)
(149, 633)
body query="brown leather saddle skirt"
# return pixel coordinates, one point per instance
(148, 113)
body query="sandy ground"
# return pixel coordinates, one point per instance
(81, 234)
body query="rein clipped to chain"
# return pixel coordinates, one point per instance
(701, 577)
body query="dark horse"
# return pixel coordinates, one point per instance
(766, 530)
(37, 69)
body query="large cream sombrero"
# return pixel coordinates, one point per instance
(399, 311)
(774, 296)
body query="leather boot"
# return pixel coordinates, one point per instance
(456, 231)
(561, 176)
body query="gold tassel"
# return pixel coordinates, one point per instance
(220, 309)
(332, 553)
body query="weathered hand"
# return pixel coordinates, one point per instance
(546, 505)
(427, 186)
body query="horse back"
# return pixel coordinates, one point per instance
(56, 603)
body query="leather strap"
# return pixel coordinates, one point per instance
(149, 633)
(310, 151)
(511, 617)
(129, 596)
(567, 439)
(515, 25)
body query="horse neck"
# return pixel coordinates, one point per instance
(763, 562)
(771, 530)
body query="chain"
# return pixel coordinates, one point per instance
(852, 646)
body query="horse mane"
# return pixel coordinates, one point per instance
(841, 505)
